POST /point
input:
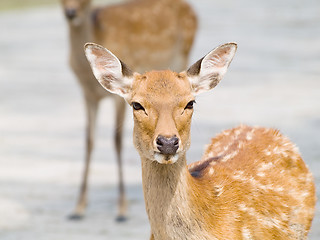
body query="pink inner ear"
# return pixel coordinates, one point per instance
(106, 63)
(101, 58)
(220, 57)
(98, 52)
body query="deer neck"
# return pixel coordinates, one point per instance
(167, 198)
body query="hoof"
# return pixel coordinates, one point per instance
(121, 218)
(75, 217)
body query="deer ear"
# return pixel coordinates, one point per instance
(111, 73)
(206, 73)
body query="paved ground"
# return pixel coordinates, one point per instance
(273, 81)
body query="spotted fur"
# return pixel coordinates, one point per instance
(264, 181)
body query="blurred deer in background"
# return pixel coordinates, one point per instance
(251, 182)
(149, 34)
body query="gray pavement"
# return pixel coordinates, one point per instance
(274, 81)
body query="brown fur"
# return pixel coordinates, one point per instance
(148, 34)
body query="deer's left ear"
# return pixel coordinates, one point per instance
(206, 73)
(111, 73)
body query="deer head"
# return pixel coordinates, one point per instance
(76, 10)
(162, 101)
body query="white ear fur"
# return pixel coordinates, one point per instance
(111, 73)
(206, 73)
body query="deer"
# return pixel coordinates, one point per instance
(251, 182)
(149, 34)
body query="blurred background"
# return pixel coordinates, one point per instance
(273, 81)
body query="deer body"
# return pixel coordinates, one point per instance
(264, 208)
(150, 34)
(251, 182)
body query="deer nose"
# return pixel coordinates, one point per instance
(70, 13)
(168, 146)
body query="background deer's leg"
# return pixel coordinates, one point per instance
(91, 113)
(120, 113)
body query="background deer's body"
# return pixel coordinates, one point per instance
(150, 34)
(251, 182)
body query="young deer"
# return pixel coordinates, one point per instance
(150, 34)
(251, 182)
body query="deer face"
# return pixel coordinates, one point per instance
(162, 101)
(76, 10)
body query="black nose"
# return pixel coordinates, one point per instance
(70, 13)
(168, 146)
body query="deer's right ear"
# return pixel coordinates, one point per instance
(111, 73)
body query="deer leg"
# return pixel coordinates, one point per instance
(120, 112)
(91, 111)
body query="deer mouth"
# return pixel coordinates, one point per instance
(166, 158)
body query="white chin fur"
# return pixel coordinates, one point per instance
(165, 159)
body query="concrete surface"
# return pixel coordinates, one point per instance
(273, 81)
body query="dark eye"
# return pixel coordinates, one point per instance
(137, 106)
(190, 105)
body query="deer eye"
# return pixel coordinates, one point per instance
(190, 105)
(137, 106)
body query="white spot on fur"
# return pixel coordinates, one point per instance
(243, 207)
(211, 171)
(213, 163)
(249, 135)
(226, 133)
(229, 156)
(241, 145)
(297, 195)
(239, 175)
(226, 148)
(265, 166)
(266, 152)
(238, 132)
(219, 189)
(271, 222)
(309, 177)
(246, 235)
(261, 174)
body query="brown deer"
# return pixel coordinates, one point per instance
(149, 34)
(251, 182)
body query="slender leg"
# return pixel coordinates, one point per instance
(91, 111)
(120, 113)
